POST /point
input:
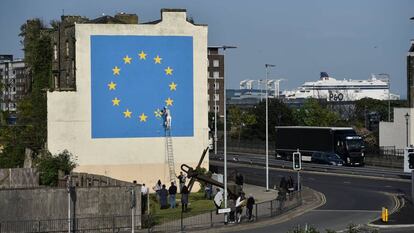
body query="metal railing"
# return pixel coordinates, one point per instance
(191, 220)
(194, 220)
(89, 224)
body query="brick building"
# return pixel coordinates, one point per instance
(410, 75)
(15, 84)
(215, 80)
(63, 39)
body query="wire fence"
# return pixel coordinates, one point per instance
(186, 221)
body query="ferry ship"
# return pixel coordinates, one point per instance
(343, 90)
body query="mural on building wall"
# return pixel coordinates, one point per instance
(140, 85)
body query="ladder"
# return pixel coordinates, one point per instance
(170, 154)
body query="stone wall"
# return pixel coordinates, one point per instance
(19, 177)
(52, 203)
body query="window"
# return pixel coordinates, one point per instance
(216, 97)
(67, 80)
(216, 63)
(55, 78)
(218, 108)
(217, 86)
(67, 48)
(216, 74)
(55, 52)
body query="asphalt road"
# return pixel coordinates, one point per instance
(349, 199)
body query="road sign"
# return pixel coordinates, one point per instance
(222, 211)
(297, 161)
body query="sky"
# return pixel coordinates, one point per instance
(348, 39)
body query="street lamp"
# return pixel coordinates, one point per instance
(267, 127)
(224, 47)
(407, 117)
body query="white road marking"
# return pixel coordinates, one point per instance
(357, 211)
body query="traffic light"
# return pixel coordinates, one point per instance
(297, 161)
(411, 160)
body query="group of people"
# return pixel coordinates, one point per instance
(167, 197)
(236, 206)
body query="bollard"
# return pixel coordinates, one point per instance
(211, 218)
(384, 214)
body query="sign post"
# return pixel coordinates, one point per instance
(297, 165)
(409, 166)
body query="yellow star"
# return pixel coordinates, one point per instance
(143, 117)
(112, 86)
(116, 70)
(157, 60)
(168, 71)
(127, 60)
(115, 102)
(142, 55)
(169, 101)
(127, 114)
(173, 86)
(158, 113)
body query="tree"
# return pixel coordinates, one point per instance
(313, 114)
(30, 130)
(239, 119)
(49, 166)
(279, 114)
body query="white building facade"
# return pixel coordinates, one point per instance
(125, 156)
(398, 132)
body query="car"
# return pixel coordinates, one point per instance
(327, 158)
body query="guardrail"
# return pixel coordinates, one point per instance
(190, 220)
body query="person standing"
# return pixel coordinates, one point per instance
(157, 189)
(181, 179)
(249, 206)
(240, 202)
(172, 191)
(163, 197)
(218, 199)
(184, 198)
(144, 198)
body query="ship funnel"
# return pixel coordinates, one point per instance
(324, 75)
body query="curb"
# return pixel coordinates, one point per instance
(304, 208)
(398, 206)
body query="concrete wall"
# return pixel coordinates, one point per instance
(395, 133)
(141, 159)
(52, 203)
(19, 177)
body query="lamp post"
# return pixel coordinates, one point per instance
(267, 126)
(224, 47)
(407, 117)
(215, 116)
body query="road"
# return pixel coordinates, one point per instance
(349, 199)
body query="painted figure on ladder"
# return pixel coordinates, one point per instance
(167, 118)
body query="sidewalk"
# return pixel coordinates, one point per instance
(266, 209)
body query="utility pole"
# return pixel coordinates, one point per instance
(224, 47)
(267, 126)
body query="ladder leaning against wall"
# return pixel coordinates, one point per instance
(170, 153)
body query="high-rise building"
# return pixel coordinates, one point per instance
(410, 75)
(15, 84)
(215, 80)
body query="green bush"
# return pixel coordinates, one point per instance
(49, 166)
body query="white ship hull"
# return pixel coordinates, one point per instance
(342, 90)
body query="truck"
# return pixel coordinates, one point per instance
(343, 141)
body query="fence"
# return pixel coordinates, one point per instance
(191, 220)
(203, 220)
(91, 224)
